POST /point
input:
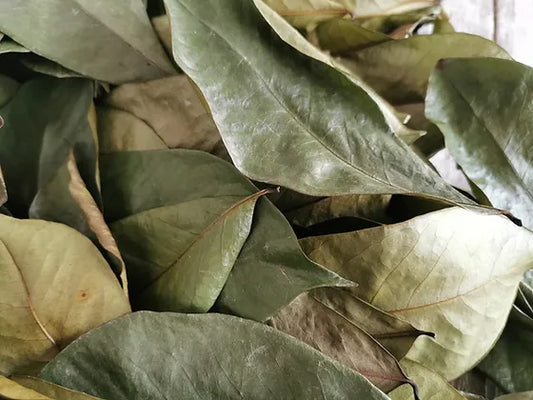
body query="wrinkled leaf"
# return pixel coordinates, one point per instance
(302, 129)
(430, 384)
(485, 110)
(317, 322)
(54, 286)
(177, 353)
(114, 44)
(43, 121)
(47, 67)
(51, 390)
(399, 69)
(171, 107)
(452, 272)
(157, 201)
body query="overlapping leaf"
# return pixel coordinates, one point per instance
(485, 110)
(167, 110)
(399, 69)
(343, 327)
(452, 272)
(158, 202)
(54, 286)
(43, 121)
(430, 384)
(155, 356)
(114, 44)
(307, 127)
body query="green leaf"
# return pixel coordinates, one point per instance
(340, 35)
(306, 14)
(307, 127)
(51, 390)
(43, 121)
(399, 69)
(156, 202)
(159, 355)
(173, 110)
(296, 40)
(510, 362)
(484, 109)
(342, 327)
(113, 44)
(206, 238)
(10, 46)
(453, 272)
(54, 287)
(430, 384)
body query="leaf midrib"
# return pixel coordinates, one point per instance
(294, 116)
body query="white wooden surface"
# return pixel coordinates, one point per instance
(508, 22)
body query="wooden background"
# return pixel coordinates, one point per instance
(507, 22)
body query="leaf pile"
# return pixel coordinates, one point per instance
(209, 199)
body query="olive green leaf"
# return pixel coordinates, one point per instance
(306, 126)
(204, 251)
(399, 69)
(171, 107)
(510, 362)
(296, 40)
(47, 67)
(306, 14)
(370, 207)
(484, 109)
(430, 384)
(43, 121)
(13, 391)
(329, 327)
(71, 33)
(340, 35)
(51, 390)
(157, 202)
(207, 356)
(517, 396)
(10, 46)
(452, 272)
(54, 286)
